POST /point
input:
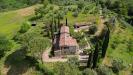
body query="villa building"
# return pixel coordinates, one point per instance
(65, 44)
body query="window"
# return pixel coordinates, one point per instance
(66, 47)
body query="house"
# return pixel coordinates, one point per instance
(67, 45)
(81, 26)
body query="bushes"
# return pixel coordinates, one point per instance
(75, 14)
(41, 67)
(36, 46)
(25, 27)
(104, 70)
(92, 29)
(88, 8)
(89, 72)
(80, 4)
(117, 65)
(73, 61)
(5, 45)
(65, 69)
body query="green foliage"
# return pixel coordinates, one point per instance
(45, 3)
(66, 69)
(46, 71)
(5, 45)
(75, 14)
(92, 29)
(119, 6)
(73, 61)
(83, 43)
(80, 4)
(119, 47)
(89, 71)
(117, 65)
(104, 70)
(26, 37)
(37, 45)
(25, 27)
(89, 8)
(14, 4)
(130, 45)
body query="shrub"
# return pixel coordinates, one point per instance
(104, 70)
(37, 45)
(65, 69)
(117, 65)
(75, 14)
(25, 27)
(89, 72)
(80, 4)
(73, 61)
(5, 45)
(92, 29)
(41, 67)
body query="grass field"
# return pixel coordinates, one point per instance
(120, 38)
(11, 21)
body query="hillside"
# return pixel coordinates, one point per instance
(66, 37)
(11, 21)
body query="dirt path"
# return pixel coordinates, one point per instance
(46, 58)
(101, 27)
(27, 11)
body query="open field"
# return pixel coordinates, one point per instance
(11, 21)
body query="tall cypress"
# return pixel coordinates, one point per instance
(105, 43)
(96, 53)
(66, 22)
(51, 28)
(55, 25)
(58, 26)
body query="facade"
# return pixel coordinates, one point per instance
(67, 45)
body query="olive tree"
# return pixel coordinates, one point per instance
(37, 45)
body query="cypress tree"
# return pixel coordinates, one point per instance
(105, 43)
(66, 22)
(96, 53)
(55, 25)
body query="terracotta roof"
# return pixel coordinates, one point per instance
(65, 38)
(64, 29)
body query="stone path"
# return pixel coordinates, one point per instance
(46, 58)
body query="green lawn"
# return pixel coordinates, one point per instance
(11, 21)
(119, 38)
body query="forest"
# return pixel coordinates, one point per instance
(28, 29)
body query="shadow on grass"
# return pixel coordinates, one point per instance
(17, 63)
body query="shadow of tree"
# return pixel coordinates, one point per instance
(17, 63)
